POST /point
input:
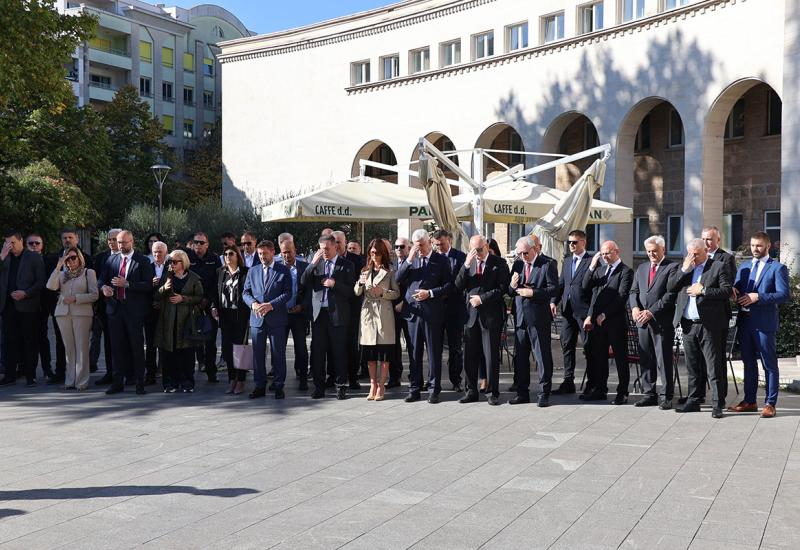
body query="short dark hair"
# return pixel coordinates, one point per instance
(577, 233)
(12, 233)
(326, 239)
(228, 235)
(196, 233)
(439, 233)
(68, 230)
(762, 236)
(266, 244)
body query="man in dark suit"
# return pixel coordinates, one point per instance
(761, 286)
(126, 282)
(607, 323)
(48, 300)
(353, 355)
(22, 279)
(100, 333)
(330, 279)
(483, 280)
(247, 245)
(428, 279)
(534, 282)
(159, 253)
(401, 249)
(652, 308)
(205, 264)
(455, 311)
(574, 306)
(703, 287)
(299, 308)
(266, 291)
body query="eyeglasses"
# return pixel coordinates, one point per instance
(246, 243)
(201, 243)
(575, 243)
(175, 261)
(70, 258)
(230, 253)
(399, 246)
(34, 243)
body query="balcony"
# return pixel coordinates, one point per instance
(101, 91)
(110, 56)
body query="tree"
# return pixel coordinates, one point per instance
(136, 145)
(36, 43)
(203, 170)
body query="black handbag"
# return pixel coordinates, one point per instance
(198, 328)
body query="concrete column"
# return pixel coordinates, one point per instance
(790, 139)
(702, 193)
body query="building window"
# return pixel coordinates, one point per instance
(733, 230)
(169, 124)
(390, 67)
(188, 62)
(100, 81)
(516, 145)
(590, 137)
(167, 57)
(359, 73)
(641, 231)
(591, 17)
(774, 109)
(553, 27)
(675, 129)
(734, 126)
(208, 128)
(515, 232)
(675, 234)
(208, 66)
(450, 53)
(772, 226)
(188, 96)
(483, 45)
(592, 237)
(517, 37)
(208, 100)
(145, 51)
(188, 128)
(420, 60)
(145, 86)
(631, 9)
(166, 91)
(672, 4)
(643, 135)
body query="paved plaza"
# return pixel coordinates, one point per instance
(208, 470)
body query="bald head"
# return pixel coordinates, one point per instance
(479, 245)
(610, 252)
(125, 242)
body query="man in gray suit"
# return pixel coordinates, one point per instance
(22, 279)
(653, 307)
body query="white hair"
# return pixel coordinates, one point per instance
(114, 232)
(657, 240)
(696, 244)
(285, 237)
(420, 235)
(527, 241)
(337, 234)
(159, 244)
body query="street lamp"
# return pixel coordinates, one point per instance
(160, 172)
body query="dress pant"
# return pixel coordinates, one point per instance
(207, 352)
(227, 326)
(754, 345)
(151, 351)
(599, 339)
(277, 345)
(705, 349)
(20, 341)
(298, 322)
(328, 341)
(655, 358)
(396, 364)
(482, 346)
(75, 332)
(101, 338)
(537, 340)
(455, 355)
(45, 357)
(127, 345)
(571, 328)
(425, 335)
(177, 368)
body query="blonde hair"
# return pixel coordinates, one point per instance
(79, 254)
(182, 256)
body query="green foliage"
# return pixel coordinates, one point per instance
(789, 314)
(203, 170)
(142, 220)
(35, 45)
(35, 198)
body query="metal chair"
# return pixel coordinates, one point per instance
(632, 343)
(676, 358)
(730, 347)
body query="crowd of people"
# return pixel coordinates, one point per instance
(161, 313)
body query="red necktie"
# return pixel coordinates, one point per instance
(652, 275)
(527, 272)
(480, 268)
(123, 270)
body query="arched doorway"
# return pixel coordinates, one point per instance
(444, 144)
(376, 151)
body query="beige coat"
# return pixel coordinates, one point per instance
(377, 314)
(83, 287)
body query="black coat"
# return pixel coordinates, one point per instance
(490, 286)
(573, 299)
(535, 311)
(712, 306)
(609, 295)
(339, 297)
(242, 311)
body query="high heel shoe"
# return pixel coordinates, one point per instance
(239, 388)
(373, 390)
(231, 388)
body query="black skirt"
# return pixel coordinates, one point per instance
(380, 352)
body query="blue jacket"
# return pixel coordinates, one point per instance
(772, 288)
(277, 293)
(436, 277)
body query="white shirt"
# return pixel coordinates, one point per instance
(248, 259)
(159, 269)
(760, 267)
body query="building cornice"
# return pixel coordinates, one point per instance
(583, 40)
(368, 29)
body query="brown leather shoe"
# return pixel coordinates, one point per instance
(768, 411)
(744, 406)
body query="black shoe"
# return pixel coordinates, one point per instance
(619, 399)
(457, 388)
(716, 412)
(354, 386)
(688, 407)
(665, 405)
(140, 390)
(593, 396)
(566, 387)
(411, 397)
(279, 394)
(519, 400)
(683, 400)
(470, 397)
(105, 380)
(543, 401)
(6, 381)
(318, 394)
(114, 389)
(150, 380)
(330, 383)
(257, 392)
(303, 386)
(92, 369)
(647, 401)
(433, 398)
(392, 384)
(341, 393)
(271, 386)
(493, 400)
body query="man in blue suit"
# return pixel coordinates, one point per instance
(760, 286)
(299, 308)
(455, 308)
(126, 282)
(266, 291)
(428, 279)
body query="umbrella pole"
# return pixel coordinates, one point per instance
(363, 237)
(477, 201)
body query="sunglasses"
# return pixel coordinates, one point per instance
(201, 243)
(177, 261)
(573, 242)
(399, 246)
(246, 243)
(34, 243)
(229, 253)
(70, 258)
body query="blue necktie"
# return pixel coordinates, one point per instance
(751, 282)
(574, 265)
